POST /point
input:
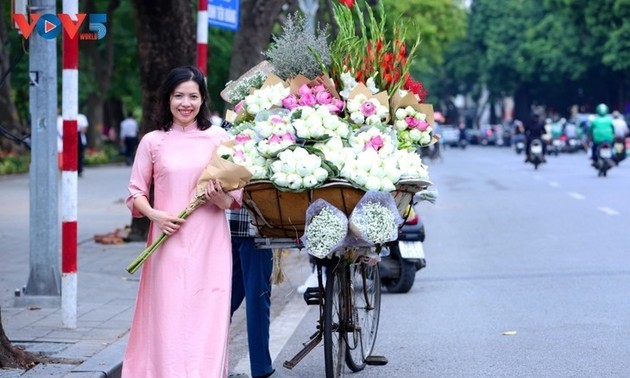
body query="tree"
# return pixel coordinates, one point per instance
(9, 117)
(13, 357)
(257, 20)
(160, 49)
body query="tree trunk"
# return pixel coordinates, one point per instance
(100, 66)
(9, 118)
(167, 39)
(14, 357)
(255, 27)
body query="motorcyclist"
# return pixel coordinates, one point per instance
(601, 130)
(534, 129)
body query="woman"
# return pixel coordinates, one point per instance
(182, 315)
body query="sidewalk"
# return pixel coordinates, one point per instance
(106, 292)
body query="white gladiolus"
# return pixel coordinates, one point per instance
(371, 85)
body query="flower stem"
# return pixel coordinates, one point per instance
(144, 255)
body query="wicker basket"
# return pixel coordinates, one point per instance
(282, 214)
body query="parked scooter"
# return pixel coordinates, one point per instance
(406, 256)
(519, 143)
(536, 153)
(604, 159)
(619, 148)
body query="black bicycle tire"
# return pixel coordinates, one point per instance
(367, 324)
(333, 326)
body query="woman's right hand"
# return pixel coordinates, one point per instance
(168, 223)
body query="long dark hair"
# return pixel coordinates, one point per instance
(163, 116)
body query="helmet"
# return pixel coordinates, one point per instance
(602, 109)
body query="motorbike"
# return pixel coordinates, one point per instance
(619, 148)
(604, 159)
(519, 143)
(536, 154)
(406, 256)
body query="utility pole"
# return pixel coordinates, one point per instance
(43, 287)
(309, 8)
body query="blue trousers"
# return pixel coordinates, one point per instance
(251, 280)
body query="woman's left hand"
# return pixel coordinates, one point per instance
(216, 196)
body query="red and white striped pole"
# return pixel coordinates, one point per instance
(202, 37)
(69, 176)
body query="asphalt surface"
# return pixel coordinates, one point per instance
(106, 292)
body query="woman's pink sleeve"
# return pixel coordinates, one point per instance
(141, 176)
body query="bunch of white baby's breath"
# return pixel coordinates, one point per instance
(324, 233)
(379, 222)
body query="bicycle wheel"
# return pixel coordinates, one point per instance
(365, 282)
(334, 342)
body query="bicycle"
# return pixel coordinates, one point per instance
(349, 311)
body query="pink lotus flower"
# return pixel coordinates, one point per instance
(367, 108)
(304, 90)
(323, 98)
(290, 102)
(412, 122)
(287, 136)
(242, 138)
(376, 142)
(319, 89)
(307, 100)
(239, 106)
(276, 119)
(275, 138)
(422, 125)
(239, 154)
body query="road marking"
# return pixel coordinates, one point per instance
(554, 184)
(608, 210)
(280, 331)
(577, 196)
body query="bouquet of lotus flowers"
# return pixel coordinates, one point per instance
(364, 110)
(375, 220)
(265, 98)
(300, 168)
(274, 131)
(245, 153)
(318, 123)
(412, 126)
(316, 96)
(326, 229)
(231, 176)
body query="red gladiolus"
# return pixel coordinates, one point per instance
(348, 3)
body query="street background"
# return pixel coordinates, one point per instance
(527, 276)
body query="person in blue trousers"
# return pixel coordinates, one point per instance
(251, 280)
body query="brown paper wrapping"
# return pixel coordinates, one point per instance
(271, 80)
(264, 67)
(230, 175)
(296, 82)
(410, 99)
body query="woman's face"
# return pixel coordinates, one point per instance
(185, 103)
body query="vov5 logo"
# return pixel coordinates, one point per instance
(49, 25)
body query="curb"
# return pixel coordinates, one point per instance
(105, 364)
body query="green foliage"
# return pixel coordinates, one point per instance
(219, 55)
(294, 51)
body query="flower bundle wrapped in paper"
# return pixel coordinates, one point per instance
(326, 229)
(231, 176)
(374, 221)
